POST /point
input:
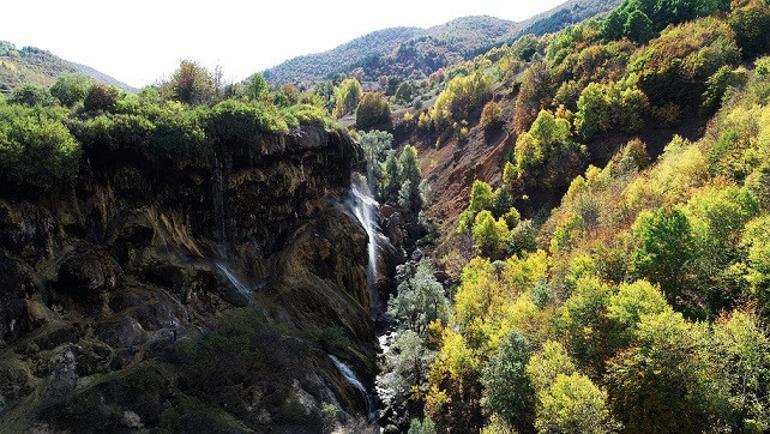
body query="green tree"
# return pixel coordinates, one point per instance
(256, 86)
(346, 96)
(405, 367)
(638, 27)
(101, 97)
(36, 149)
(372, 111)
(426, 426)
(408, 163)
(491, 115)
(548, 136)
(664, 246)
(660, 385)
(30, 95)
(405, 92)
(419, 300)
(756, 242)
(741, 347)
(574, 405)
(71, 88)
(376, 145)
(490, 236)
(547, 364)
(507, 390)
(626, 308)
(391, 176)
(581, 319)
(191, 83)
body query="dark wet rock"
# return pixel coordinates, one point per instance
(86, 275)
(16, 284)
(121, 333)
(14, 383)
(57, 335)
(95, 280)
(63, 378)
(92, 358)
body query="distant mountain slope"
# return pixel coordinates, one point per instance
(33, 65)
(413, 53)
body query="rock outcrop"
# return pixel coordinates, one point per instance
(121, 294)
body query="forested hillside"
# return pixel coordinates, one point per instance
(410, 53)
(35, 66)
(607, 272)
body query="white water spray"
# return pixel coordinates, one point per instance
(243, 290)
(353, 380)
(365, 208)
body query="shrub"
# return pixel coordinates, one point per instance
(30, 95)
(508, 391)
(373, 110)
(574, 404)
(462, 96)
(347, 95)
(231, 122)
(191, 83)
(490, 236)
(101, 98)
(71, 88)
(491, 115)
(36, 149)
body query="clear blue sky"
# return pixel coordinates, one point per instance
(141, 41)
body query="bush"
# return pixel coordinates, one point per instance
(234, 122)
(373, 110)
(101, 98)
(490, 236)
(462, 96)
(30, 95)
(347, 95)
(70, 89)
(548, 136)
(191, 84)
(36, 149)
(491, 115)
(674, 68)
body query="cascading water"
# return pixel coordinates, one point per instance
(353, 380)
(365, 208)
(243, 290)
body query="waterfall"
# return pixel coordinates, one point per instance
(365, 209)
(217, 193)
(243, 290)
(353, 380)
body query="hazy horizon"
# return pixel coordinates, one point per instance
(139, 48)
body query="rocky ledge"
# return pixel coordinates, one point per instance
(186, 297)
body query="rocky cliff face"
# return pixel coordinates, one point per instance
(179, 296)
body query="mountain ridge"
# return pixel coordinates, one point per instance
(433, 47)
(38, 66)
